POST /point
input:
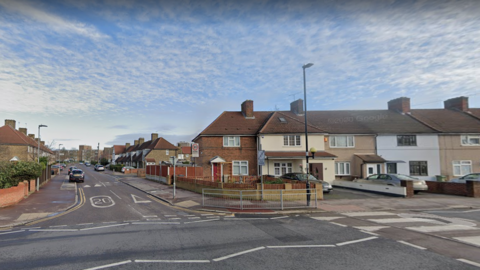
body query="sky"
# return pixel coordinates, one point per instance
(110, 72)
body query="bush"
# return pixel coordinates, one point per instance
(117, 167)
(276, 181)
(13, 173)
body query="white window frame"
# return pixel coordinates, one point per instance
(167, 152)
(281, 168)
(239, 164)
(465, 140)
(350, 141)
(461, 164)
(292, 140)
(342, 166)
(233, 140)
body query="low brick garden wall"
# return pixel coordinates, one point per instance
(13, 195)
(459, 189)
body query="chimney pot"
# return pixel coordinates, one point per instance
(154, 136)
(127, 145)
(458, 103)
(141, 140)
(31, 136)
(247, 109)
(23, 130)
(401, 104)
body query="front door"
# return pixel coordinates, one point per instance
(372, 169)
(316, 169)
(216, 172)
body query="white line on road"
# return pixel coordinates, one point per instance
(194, 218)
(279, 217)
(441, 228)
(356, 241)
(365, 214)
(197, 221)
(109, 265)
(338, 224)
(470, 211)
(301, 246)
(82, 224)
(237, 254)
(53, 230)
(172, 261)
(115, 194)
(207, 214)
(153, 223)
(106, 222)
(371, 233)
(12, 232)
(212, 217)
(326, 218)
(469, 262)
(174, 218)
(101, 227)
(412, 245)
(150, 216)
(170, 215)
(57, 226)
(233, 218)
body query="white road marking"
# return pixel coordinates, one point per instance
(279, 217)
(86, 186)
(109, 222)
(326, 218)
(441, 228)
(405, 220)
(170, 215)
(243, 218)
(470, 211)
(152, 223)
(101, 227)
(53, 230)
(365, 214)
(172, 261)
(83, 224)
(102, 201)
(237, 254)
(469, 262)
(174, 218)
(371, 233)
(469, 239)
(109, 265)
(153, 219)
(97, 185)
(356, 241)
(150, 216)
(371, 228)
(301, 246)
(189, 215)
(103, 184)
(138, 199)
(195, 217)
(207, 214)
(57, 226)
(211, 217)
(197, 221)
(412, 245)
(12, 232)
(115, 195)
(338, 224)
(131, 220)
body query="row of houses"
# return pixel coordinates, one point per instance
(17, 145)
(350, 144)
(151, 152)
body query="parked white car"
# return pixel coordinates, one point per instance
(99, 168)
(470, 177)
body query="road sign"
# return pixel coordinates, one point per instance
(195, 150)
(261, 158)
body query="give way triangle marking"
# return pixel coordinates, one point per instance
(137, 199)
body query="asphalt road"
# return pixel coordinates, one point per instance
(115, 226)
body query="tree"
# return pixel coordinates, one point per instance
(104, 161)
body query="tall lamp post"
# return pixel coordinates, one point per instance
(59, 153)
(38, 154)
(306, 133)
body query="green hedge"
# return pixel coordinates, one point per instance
(13, 173)
(117, 167)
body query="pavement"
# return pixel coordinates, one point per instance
(59, 195)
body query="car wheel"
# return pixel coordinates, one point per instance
(416, 191)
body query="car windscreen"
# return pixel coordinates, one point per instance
(405, 177)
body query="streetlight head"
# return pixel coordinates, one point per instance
(42, 126)
(308, 65)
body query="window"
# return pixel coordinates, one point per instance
(240, 167)
(167, 152)
(231, 141)
(291, 140)
(406, 140)
(392, 168)
(470, 139)
(342, 168)
(342, 141)
(462, 167)
(418, 168)
(282, 168)
(187, 155)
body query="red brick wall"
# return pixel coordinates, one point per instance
(32, 185)
(447, 188)
(13, 195)
(409, 186)
(213, 146)
(473, 189)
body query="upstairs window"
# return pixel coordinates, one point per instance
(342, 141)
(470, 140)
(231, 141)
(291, 140)
(406, 140)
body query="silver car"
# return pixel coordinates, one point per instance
(391, 179)
(470, 177)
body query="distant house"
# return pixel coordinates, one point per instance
(16, 143)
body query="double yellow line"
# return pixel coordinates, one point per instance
(81, 195)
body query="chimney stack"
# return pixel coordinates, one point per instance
(141, 140)
(42, 142)
(23, 130)
(32, 136)
(401, 104)
(154, 136)
(135, 142)
(296, 107)
(9, 122)
(458, 103)
(247, 109)
(127, 145)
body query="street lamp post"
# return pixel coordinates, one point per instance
(306, 133)
(38, 153)
(59, 152)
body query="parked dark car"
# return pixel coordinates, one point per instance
(77, 175)
(302, 177)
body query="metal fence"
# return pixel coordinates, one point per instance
(258, 199)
